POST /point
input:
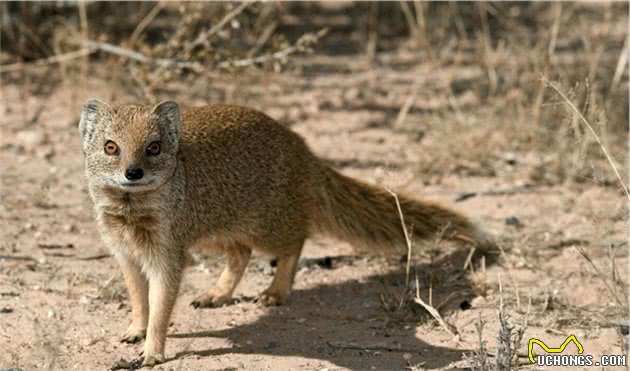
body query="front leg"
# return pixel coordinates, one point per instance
(138, 289)
(164, 283)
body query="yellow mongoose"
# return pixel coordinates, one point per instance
(229, 177)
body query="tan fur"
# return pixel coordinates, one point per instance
(231, 177)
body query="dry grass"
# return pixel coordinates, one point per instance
(536, 140)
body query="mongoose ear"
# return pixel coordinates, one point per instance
(170, 120)
(92, 109)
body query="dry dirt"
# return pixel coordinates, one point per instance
(63, 304)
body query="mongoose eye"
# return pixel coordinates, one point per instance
(111, 148)
(153, 149)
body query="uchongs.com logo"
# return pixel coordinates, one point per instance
(554, 356)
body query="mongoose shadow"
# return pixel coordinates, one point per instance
(327, 322)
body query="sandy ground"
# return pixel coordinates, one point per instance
(63, 304)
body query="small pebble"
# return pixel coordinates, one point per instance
(513, 221)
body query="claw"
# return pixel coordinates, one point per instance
(133, 336)
(210, 301)
(150, 361)
(270, 299)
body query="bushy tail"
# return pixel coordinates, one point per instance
(368, 216)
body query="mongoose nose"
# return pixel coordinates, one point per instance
(134, 174)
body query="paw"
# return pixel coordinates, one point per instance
(150, 360)
(270, 298)
(211, 300)
(133, 335)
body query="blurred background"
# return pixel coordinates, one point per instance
(515, 113)
(476, 65)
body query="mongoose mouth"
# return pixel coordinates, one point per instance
(133, 186)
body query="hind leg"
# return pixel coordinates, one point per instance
(237, 259)
(280, 287)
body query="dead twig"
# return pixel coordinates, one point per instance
(372, 347)
(434, 313)
(20, 258)
(203, 37)
(499, 192)
(302, 44)
(139, 57)
(59, 255)
(262, 40)
(52, 246)
(468, 261)
(95, 257)
(59, 58)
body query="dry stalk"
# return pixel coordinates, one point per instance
(555, 87)
(599, 274)
(429, 308)
(407, 238)
(554, 29)
(503, 361)
(479, 358)
(85, 36)
(621, 63)
(487, 44)
(413, 27)
(520, 332)
(404, 110)
(422, 24)
(144, 23)
(512, 280)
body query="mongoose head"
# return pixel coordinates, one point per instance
(130, 148)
